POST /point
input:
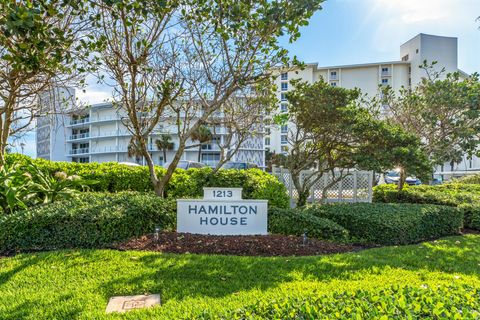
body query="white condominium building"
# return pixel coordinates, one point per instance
(98, 134)
(404, 72)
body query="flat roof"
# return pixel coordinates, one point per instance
(359, 65)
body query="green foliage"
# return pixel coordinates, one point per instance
(296, 222)
(442, 111)
(463, 196)
(392, 224)
(14, 187)
(473, 179)
(442, 302)
(25, 184)
(89, 221)
(114, 177)
(77, 283)
(335, 132)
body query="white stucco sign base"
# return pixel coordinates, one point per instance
(222, 211)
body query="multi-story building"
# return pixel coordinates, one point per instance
(98, 134)
(369, 78)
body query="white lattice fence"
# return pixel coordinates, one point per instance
(354, 187)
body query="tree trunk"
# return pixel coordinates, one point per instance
(162, 183)
(302, 198)
(402, 179)
(164, 155)
(302, 191)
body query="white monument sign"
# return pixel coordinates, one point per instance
(222, 211)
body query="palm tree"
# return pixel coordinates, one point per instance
(164, 143)
(133, 150)
(202, 135)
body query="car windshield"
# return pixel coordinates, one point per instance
(234, 165)
(181, 165)
(393, 174)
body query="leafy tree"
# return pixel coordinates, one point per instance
(444, 113)
(180, 61)
(391, 147)
(40, 48)
(332, 133)
(164, 143)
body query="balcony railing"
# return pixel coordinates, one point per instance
(111, 134)
(79, 136)
(79, 121)
(79, 151)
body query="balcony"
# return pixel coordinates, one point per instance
(79, 151)
(79, 136)
(111, 134)
(79, 121)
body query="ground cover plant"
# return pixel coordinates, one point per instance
(433, 280)
(465, 196)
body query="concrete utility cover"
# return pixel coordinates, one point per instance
(127, 303)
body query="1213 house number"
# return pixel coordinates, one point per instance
(222, 194)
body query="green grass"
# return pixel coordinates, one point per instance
(76, 284)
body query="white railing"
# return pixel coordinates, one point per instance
(79, 121)
(79, 136)
(111, 134)
(354, 187)
(79, 151)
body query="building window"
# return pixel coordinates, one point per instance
(384, 81)
(284, 107)
(333, 84)
(267, 131)
(284, 76)
(385, 70)
(283, 96)
(333, 73)
(284, 128)
(267, 141)
(416, 51)
(405, 58)
(284, 139)
(210, 158)
(284, 86)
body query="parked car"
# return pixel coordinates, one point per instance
(392, 177)
(185, 164)
(239, 165)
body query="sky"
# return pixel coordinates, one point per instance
(363, 31)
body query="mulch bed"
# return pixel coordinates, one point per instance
(269, 245)
(470, 231)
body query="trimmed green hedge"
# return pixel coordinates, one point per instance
(296, 222)
(114, 177)
(92, 220)
(463, 196)
(473, 179)
(391, 224)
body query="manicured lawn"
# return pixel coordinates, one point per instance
(78, 283)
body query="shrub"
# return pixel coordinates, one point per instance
(391, 224)
(296, 222)
(473, 179)
(92, 220)
(114, 177)
(464, 196)
(442, 302)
